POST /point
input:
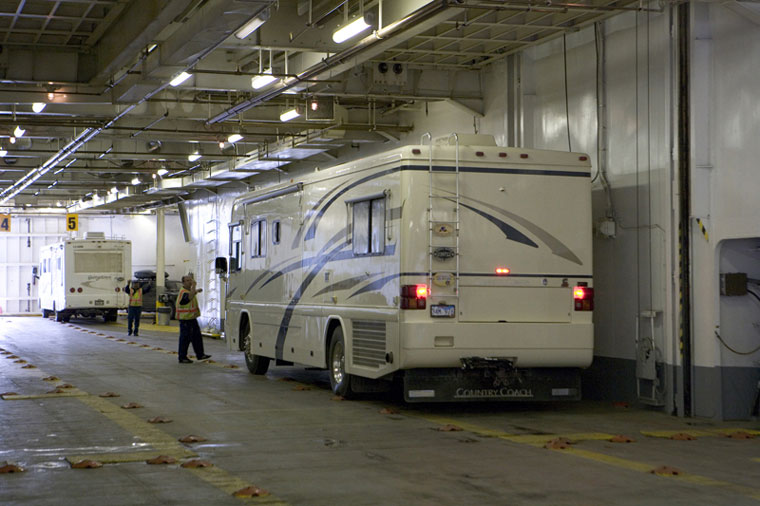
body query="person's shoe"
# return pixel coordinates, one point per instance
(136, 334)
(185, 361)
(129, 333)
(204, 357)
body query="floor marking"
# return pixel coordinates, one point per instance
(76, 393)
(466, 426)
(538, 441)
(230, 484)
(669, 433)
(726, 432)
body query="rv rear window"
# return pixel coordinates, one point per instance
(236, 242)
(368, 227)
(97, 261)
(259, 238)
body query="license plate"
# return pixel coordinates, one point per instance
(442, 310)
(99, 302)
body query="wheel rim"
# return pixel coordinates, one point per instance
(338, 362)
(247, 346)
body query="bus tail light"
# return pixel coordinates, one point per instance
(414, 296)
(118, 289)
(72, 289)
(583, 298)
(79, 289)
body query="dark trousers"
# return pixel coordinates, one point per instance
(133, 318)
(190, 332)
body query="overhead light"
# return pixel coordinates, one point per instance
(136, 181)
(51, 95)
(181, 78)
(59, 204)
(252, 25)
(18, 132)
(289, 115)
(152, 47)
(12, 140)
(262, 80)
(350, 30)
(3, 152)
(38, 106)
(193, 157)
(162, 172)
(232, 139)
(114, 190)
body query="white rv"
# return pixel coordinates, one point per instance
(84, 277)
(459, 268)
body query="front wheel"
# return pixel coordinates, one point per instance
(340, 381)
(256, 363)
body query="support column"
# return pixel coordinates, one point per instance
(160, 259)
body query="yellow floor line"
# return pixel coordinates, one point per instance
(726, 432)
(44, 396)
(120, 458)
(670, 433)
(230, 484)
(464, 425)
(538, 441)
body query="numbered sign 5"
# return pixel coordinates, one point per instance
(72, 222)
(5, 222)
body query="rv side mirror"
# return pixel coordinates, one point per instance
(35, 272)
(220, 265)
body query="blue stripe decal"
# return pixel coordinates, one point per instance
(311, 212)
(509, 231)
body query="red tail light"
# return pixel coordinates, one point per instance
(414, 296)
(583, 298)
(118, 289)
(79, 289)
(72, 289)
(502, 270)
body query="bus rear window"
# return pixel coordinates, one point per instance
(98, 262)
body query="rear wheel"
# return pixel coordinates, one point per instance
(46, 313)
(340, 381)
(59, 316)
(256, 363)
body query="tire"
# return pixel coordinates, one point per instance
(256, 363)
(46, 313)
(340, 381)
(110, 316)
(59, 316)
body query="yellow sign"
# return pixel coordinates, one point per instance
(5, 222)
(72, 222)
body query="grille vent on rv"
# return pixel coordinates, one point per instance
(369, 343)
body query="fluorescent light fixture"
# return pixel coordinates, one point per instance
(252, 25)
(193, 157)
(262, 80)
(12, 140)
(152, 47)
(3, 152)
(181, 78)
(18, 132)
(162, 172)
(350, 30)
(232, 139)
(289, 115)
(136, 181)
(38, 106)
(114, 190)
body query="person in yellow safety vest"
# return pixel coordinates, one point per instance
(187, 313)
(135, 293)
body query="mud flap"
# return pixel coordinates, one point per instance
(462, 385)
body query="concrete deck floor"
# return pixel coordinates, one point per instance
(286, 434)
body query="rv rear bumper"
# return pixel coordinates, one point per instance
(430, 345)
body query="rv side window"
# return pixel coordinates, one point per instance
(259, 238)
(236, 243)
(368, 227)
(276, 232)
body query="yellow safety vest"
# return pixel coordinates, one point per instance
(135, 298)
(187, 311)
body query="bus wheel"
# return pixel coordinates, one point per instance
(340, 382)
(59, 316)
(256, 363)
(45, 313)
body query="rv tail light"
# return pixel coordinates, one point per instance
(414, 296)
(502, 270)
(583, 298)
(118, 289)
(72, 289)
(79, 289)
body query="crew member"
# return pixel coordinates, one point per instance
(187, 313)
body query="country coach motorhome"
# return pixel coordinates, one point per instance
(457, 267)
(84, 277)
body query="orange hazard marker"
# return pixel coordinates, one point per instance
(251, 492)
(231, 366)
(87, 464)
(11, 468)
(66, 385)
(192, 439)
(740, 434)
(109, 394)
(682, 436)
(560, 443)
(19, 361)
(449, 428)
(301, 388)
(666, 471)
(29, 366)
(621, 439)
(50, 378)
(159, 419)
(131, 405)
(161, 459)
(389, 411)
(194, 464)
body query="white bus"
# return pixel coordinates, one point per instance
(84, 277)
(458, 268)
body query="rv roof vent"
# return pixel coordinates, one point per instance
(467, 140)
(94, 235)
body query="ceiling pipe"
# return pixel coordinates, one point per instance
(377, 41)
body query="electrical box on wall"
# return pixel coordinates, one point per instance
(733, 283)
